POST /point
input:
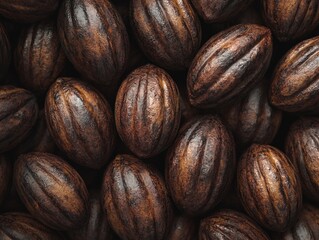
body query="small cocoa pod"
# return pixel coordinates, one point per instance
(5, 175)
(5, 52)
(147, 111)
(51, 190)
(136, 200)
(269, 187)
(229, 65)
(183, 228)
(81, 122)
(200, 166)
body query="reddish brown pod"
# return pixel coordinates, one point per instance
(147, 111)
(229, 65)
(200, 166)
(5, 51)
(51, 190)
(5, 175)
(136, 200)
(183, 228)
(81, 122)
(169, 32)
(269, 187)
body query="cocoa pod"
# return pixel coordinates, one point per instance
(147, 111)
(229, 65)
(81, 122)
(136, 200)
(182, 228)
(5, 175)
(5, 52)
(51, 190)
(269, 187)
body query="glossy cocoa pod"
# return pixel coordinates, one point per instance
(5, 176)
(147, 111)
(136, 200)
(81, 122)
(229, 65)
(200, 166)
(229, 224)
(183, 228)
(52, 191)
(269, 187)
(5, 52)
(291, 19)
(169, 32)
(18, 114)
(295, 85)
(39, 57)
(97, 45)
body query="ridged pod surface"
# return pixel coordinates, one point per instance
(136, 200)
(51, 190)
(183, 228)
(5, 51)
(81, 122)
(200, 166)
(269, 187)
(5, 175)
(295, 85)
(147, 111)
(94, 38)
(228, 65)
(169, 32)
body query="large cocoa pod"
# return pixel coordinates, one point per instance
(5, 175)
(183, 228)
(5, 52)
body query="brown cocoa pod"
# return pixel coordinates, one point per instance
(183, 228)
(81, 122)
(97, 44)
(5, 175)
(229, 65)
(295, 85)
(52, 191)
(39, 57)
(147, 111)
(291, 19)
(200, 166)
(5, 52)
(228, 224)
(18, 114)
(269, 187)
(169, 32)
(136, 200)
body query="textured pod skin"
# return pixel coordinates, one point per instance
(200, 166)
(81, 122)
(5, 175)
(269, 187)
(229, 224)
(97, 44)
(5, 52)
(291, 19)
(147, 111)
(169, 32)
(51, 190)
(228, 65)
(295, 85)
(183, 228)
(18, 114)
(136, 200)
(39, 57)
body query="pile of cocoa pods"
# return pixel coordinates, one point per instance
(159, 119)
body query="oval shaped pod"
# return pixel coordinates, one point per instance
(295, 85)
(5, 175)
(229, 224)
(200, 166)
(18, 114)
(183, 228)
(51, 190)
(229, 65)
(97, 45)
(136, 200)
(147, 111)
(5, 51)
(269, 187)
(169, 32)
(81, 122)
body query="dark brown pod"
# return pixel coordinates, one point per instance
(5, 176)
(169, 32)
(269, 187)
(136, 200)
(295, 85)
(18, 114)
(147, 111)
(229, 65)
(5, 52)
(228, 224)
(51, 190)
(81, 122)
(39, 57)
(291, 19)
(183, 228)
(94, 38)
(200, 166)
